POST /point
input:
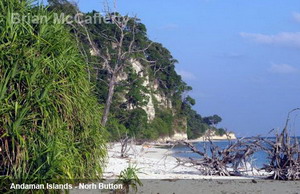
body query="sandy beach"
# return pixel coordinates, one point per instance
(153, 162)
(161, 174)
(156, 162)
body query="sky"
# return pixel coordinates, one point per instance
(241, 57)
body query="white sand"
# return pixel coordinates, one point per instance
(160, 176)
(154, 163)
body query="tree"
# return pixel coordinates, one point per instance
(189, 100)
(64, 6)
(212, 120)
(121, 41)
(123, 48)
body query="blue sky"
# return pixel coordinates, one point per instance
(242, 58)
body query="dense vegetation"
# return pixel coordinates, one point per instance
(49, 119)
(197, 125)
(127, 114)
(50, 113)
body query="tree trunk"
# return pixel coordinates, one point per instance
(111, 92)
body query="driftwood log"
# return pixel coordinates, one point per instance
(124, 146)
(220, 161)
(283, 154)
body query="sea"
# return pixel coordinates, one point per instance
(258, 159)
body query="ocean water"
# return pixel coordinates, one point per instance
(258, 159)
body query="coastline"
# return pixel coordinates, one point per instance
(212, 137)
(159, 174)
(229, 136)
(155, 162)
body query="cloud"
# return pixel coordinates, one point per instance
(291, 39)
(283, 69)
(186, 75)
(296, 16)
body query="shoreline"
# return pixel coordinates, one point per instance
(213, 137)
(156, 162)
(159, 175)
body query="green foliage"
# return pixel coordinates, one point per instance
(129, 178)
(136, 95)
(212, 120)
(161, 126)
(149, 133)
(49, 119)
(220, 132)
(196, 125)
(130, 93)
(166, 122)
(190, 100)
(163, 72)
(63, 6)
(179, 124)
(136, 122)
(116, 130)
(105, 34)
